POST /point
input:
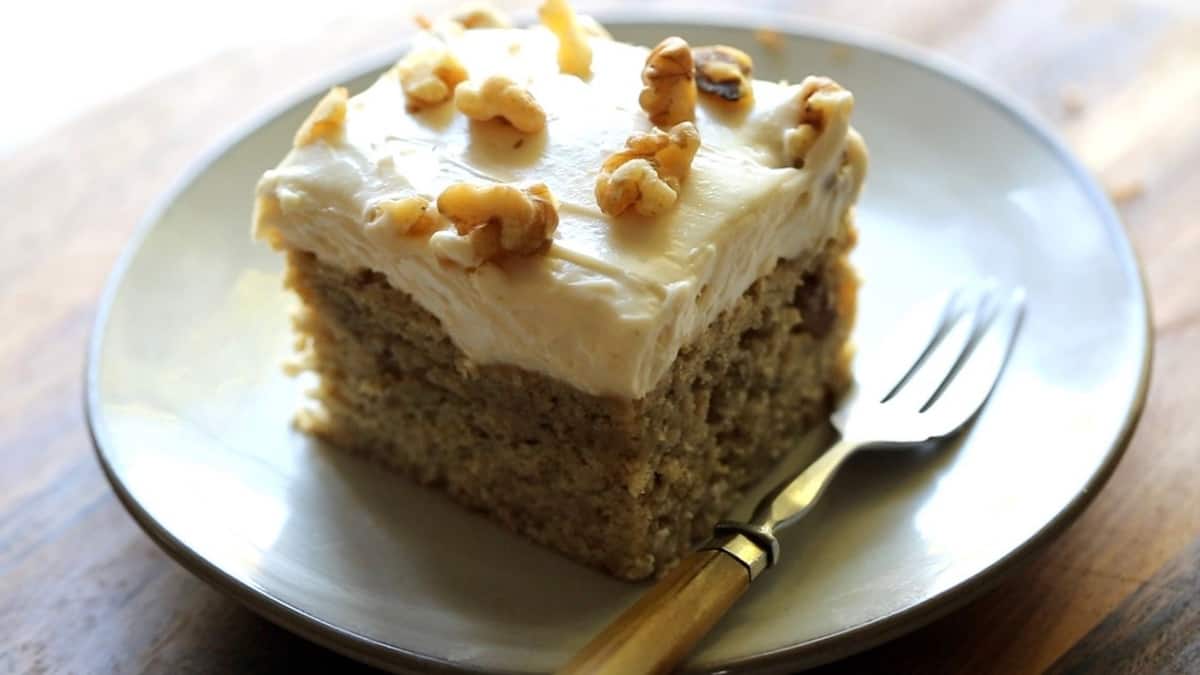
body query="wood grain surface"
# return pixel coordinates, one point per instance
(1152, 630)
(83, 590)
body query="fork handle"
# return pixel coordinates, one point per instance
(661, 628)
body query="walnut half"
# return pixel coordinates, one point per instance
(474, 15)
(574, 52)
(669, 95)
(410, 215)
(496, 221)
(326, 118)
(825, 109)
(498, 96)
(429, 77)
(647, 174)
(723, 71)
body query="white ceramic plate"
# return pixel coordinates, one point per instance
(190, 410)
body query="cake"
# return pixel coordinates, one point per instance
(590, 289)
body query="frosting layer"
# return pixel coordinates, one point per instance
(612, 301)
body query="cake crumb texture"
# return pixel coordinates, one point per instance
(626, 485)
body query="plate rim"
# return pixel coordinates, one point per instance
(801, 654)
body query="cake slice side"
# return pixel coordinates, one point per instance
(596, 304)
(626, 485)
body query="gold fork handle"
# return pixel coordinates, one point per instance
(660, 629)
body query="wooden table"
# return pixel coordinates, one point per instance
(83, 590)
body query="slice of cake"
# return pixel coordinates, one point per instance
(591, 289)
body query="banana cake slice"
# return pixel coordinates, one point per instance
(588, 288)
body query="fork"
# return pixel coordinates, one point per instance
(952, 370)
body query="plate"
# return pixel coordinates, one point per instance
(190, 409)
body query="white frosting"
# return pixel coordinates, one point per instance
(614, 299)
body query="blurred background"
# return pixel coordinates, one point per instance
(71, 56)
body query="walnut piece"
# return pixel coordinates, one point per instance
(429, 76)
(824, 114)
(325, 120)
(769, 38)
(797, 142)
(723, 71)
(498, 96)
(854, 162)
(474, 15)
(669, 95)
(574, 52)
(411, 215)
(500, 220)
(647, 174)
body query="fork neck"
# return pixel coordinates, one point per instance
(791, 500)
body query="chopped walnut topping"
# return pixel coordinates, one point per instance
(769, 38)
(723, 71)
(325, 120)
(647, 174)
(1124, 192)
(823, 103)
(474, 15)
(408, 216)
(267, 214)
(669, 96)
(854, 162)
(429, 76)
(500, 220)
(498, 96)
(635, 183)
(574, 52)
(797, 142)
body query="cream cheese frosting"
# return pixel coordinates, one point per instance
(612, 301)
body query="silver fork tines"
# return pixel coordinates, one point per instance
(950, 379)
(921, 385)
(967, 388)
(964, 353)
